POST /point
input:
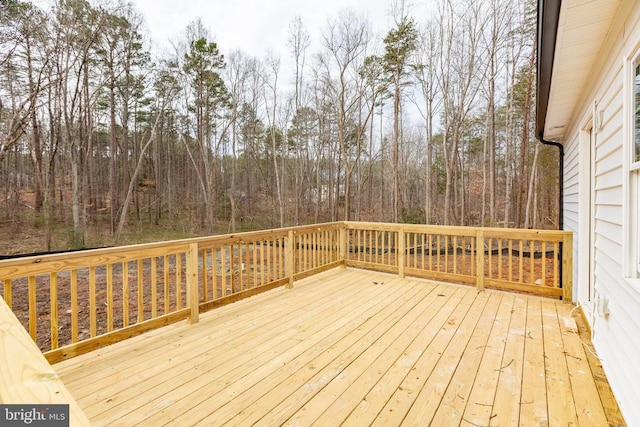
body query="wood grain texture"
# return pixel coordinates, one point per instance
(25, 375)
(348, 347)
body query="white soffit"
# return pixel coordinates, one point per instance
(582, 30)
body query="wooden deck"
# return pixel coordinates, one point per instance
(350, 347)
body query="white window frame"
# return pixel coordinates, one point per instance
(634, 145)
(635, 202)
(631, 263)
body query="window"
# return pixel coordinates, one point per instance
(632, 168)
(634, 176)
(636, 122)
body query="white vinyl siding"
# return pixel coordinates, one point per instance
(616, 336)
(571, 210)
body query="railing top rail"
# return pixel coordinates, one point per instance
(526, 234)
(250, 236)
(382, 226)
(41, 264)
(523, 233)
(441, 229)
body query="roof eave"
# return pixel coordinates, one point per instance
(548, 19)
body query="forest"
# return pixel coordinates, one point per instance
(428, 122)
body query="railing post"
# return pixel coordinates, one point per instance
(567, 268)
(342, 246)
(402, 251)
(289, 259)
(192, 282)
(480, 260)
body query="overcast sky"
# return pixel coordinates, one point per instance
(253, 26)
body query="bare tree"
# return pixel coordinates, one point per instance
(238, 71)
(346, 39)
(298, 42)
(92, 132)
(132, 182)
(271, 101)
(495, 37)
(426, 75)
(460, 76)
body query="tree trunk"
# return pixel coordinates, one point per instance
(524, 142)
(428, 202)
(113, 159)
(133, 183)
(530, 195)
(492, 150)
(396, 145)
(232, 189)
(36, 145)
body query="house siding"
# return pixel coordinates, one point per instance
(571, 217)
(616, 336)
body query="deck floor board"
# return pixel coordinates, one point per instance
(479, 410)
(507, 401)
(349, 347)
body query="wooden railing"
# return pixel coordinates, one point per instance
(25, 375)
(534, 261)
(72, 303)
(75, 302)
(237, 266)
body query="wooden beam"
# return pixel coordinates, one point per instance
(289, 256)
(505, 285)
(7, 292)
(25, 375)
(320, 269)
(384, 268)
(440, 275)
(104, 340)
(192, 283)
(210, 305)
(53, 297)
(33, 317)
(342, 246)
(480, 260)
(567, 268)
(402, 251)
(22, 267)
